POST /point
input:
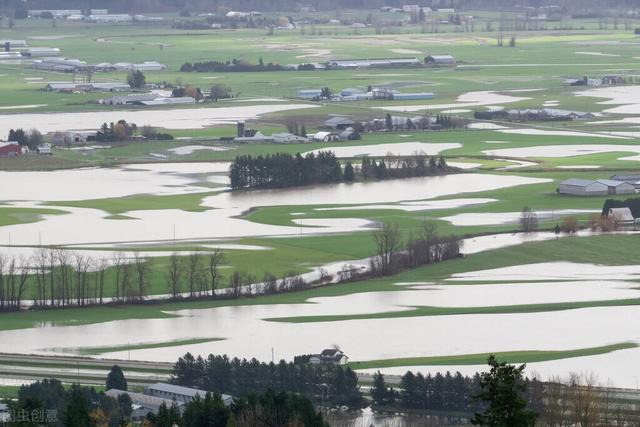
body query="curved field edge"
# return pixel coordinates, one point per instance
(423, 311)
(90, 351)
(14, 215)
(525, 356)
(607, 249)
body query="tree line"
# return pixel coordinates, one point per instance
(394, 253)
(283, 409)
(235, 65)
(48, 402)
(30, 139)
(285, 170)
(333, 385)
(116, 132)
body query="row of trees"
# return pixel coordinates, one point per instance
(30, 139)
(335, 385)
(503, 396)
(48, 402)
(427, 247)
(116, 132)
(235, 65)
(257, 410)
(284, 170)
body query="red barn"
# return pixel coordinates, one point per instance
(10, 149)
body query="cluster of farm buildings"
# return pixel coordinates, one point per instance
(617, 184)
(92, 15)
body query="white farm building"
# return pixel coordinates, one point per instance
(583, 187)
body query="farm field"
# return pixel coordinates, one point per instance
(559, 301)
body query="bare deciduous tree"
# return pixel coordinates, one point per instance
(387, 239)
(174, 276)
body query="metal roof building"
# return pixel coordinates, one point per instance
(339, 122)
(446, 60)
(180, 394)
(617, 187)
(373, 63)
(582, 187)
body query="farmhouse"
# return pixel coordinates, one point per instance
(340, 123)
(329, 356)
(180, 394)
(10, 149)
(440, 60)
(79, 137)
(622, 217)
(582, 187)
(617, 187)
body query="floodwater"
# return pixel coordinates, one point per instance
(498, 218)
(248, 335)
(543, 132)
(185, 150)
(626, 97)
(394, 149)
(417, 206)
(84, 225)
(466, 100)
(178, 118)
(566, 151)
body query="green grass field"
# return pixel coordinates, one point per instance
(480, 359)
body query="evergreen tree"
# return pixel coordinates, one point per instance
(502, 388)
(388, 122)
(379, 391)
(136, 79)
(349, 173)
(116, 379)
(77, 411)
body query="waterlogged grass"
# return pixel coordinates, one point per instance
(13, 215)
(121, 205)
(421, 311)
(142, 346)
(607, 249)
(526, 356)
